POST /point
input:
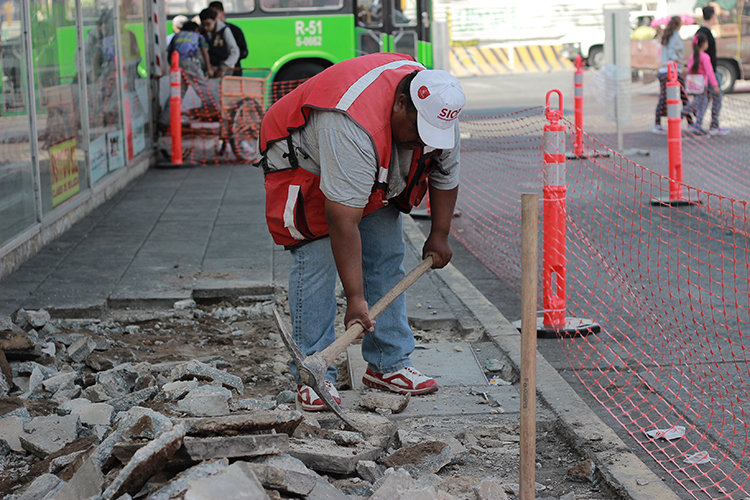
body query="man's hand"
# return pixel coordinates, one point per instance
(211, 71)
(442, 204)
(358, 312)
(219, 72)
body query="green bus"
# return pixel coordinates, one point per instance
(296, 39)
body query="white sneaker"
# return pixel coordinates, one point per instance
(309, 399)
(404, 381)
(718, 131)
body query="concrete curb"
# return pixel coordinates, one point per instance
(622, 470)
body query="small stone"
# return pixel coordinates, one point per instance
(370, 471)
(251, 404)
(185, 304)
(379, 400)
(582, 471)
(80, 349)
(196, 369)
(425, 458)
(641, 482)
(490, 489)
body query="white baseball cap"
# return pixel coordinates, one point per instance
(439, 99)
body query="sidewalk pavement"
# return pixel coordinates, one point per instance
(200, 233)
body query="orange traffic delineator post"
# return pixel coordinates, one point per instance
(175, 114)
(578, 151)
(674, 143)
(554, 322)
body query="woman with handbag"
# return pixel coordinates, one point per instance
(700, 78)
(672, 49)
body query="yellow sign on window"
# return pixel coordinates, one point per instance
(64, 170)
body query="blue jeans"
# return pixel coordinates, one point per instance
(312, 295)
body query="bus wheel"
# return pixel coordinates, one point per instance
(291, 76)
(727, 74)
(245, 128)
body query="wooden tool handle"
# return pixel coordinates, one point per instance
(332, 352)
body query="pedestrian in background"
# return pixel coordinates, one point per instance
(177, 23)
(672, 49)
(714, 94)
(700, 64)
(239, 37)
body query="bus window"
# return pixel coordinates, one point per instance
(233, 6)
(370, 14)
(278, 5)
(404, 12)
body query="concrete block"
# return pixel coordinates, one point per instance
(237, 481)
(236, 446)
(41, 487)
(285, 473)
(196, 369)
(370, 471)
(142, 423)
(86, 483)
(323, 455)
(81, 348)
(425, 458)
(66, 394)
(399, 485)
(95, 393)
(380, 429)
(118, 381)
(145, 463)
(59, 381)
(374, 400)
(32, 319)
(490, 489)
(206, 401)
(180, 483)
(46, 435)
(324, 490)
(259, 422)
(68, 406)
(95, 414)
(128, 401)
(177, 390)
(39, 374)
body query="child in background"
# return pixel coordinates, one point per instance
(700, 64)
(189, 42)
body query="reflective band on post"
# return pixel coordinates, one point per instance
(673, 92)
(554, 174)
(578, 92)
(578, 78)
(673, 111)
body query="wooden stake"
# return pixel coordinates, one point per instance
(529, 258)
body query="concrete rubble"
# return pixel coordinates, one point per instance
(95, 428)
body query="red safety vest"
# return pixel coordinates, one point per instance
(364, 88)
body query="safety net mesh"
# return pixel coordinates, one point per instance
(668, 284)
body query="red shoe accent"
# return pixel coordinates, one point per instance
(309, 399)
(404, 381)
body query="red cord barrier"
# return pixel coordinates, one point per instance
(175, 109)
(553, 264)
(674, 137)
(578, 106)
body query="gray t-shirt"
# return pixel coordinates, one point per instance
(342, 154)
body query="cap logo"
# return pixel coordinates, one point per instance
(423, 92)
(448, 115)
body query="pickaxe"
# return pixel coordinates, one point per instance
(312, 369)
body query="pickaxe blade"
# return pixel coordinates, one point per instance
(312, 371)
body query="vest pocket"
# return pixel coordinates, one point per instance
(295, 206)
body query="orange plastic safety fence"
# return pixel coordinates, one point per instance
(667, 284)
(221, 118)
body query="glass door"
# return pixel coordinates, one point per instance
(392, 26)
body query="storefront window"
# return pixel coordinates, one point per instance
(135, 80)
(17, 199)
(62, 160)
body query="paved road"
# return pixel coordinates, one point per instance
(691, 228)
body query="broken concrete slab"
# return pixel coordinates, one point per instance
(46, 435)
(251, 404)
(490, 489)
(128, 401)
(374, 400)
(59, 381)
(42, 486)
(206, 401)
(11, 429)
(323, 455)
(142, 423)
(31, 319)
(118, 381)
(237, 481)
(425, 458)
(284, 473)
(236, 446)
(202, 371)
(179, 484)
(86, 483)
(399, 485)
(81, 348)
(380, 429)
(259, 422)
(369, 470)
(177, 390)
(145, 463)
(95, 414)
